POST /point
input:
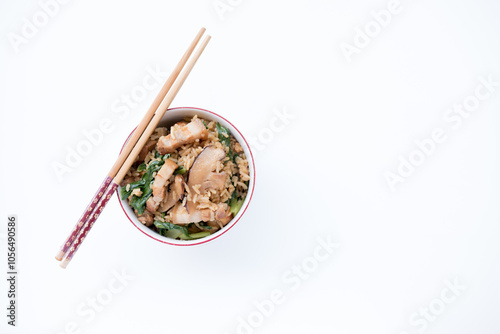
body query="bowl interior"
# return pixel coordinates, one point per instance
(171, 117)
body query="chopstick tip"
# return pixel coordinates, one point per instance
(59, 256)
(64, 264)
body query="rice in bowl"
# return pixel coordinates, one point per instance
(189, 181)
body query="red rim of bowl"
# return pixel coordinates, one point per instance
(224, 230)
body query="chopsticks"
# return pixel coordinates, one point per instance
(131, 150)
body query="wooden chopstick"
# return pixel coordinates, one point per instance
(128, 147)
(135, 151)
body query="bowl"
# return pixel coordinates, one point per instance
(171, 117)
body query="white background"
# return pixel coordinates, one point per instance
(321, 175)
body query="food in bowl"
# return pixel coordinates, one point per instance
(188, 181)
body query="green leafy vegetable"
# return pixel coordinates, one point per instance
(235, 204)
(199, 235)
(170, 226)
(206, 126)
(141, 167)
(154, 166)
(223, 135)
(144, 184)
(139, 203)
(208, 227)
(133, 185)
(180, 170)
(174, 234)
(176, 231)
(223, 132)
(163, 157)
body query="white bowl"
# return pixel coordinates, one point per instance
(171, 117)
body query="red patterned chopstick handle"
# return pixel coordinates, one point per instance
(88, 225)
(85, 216)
